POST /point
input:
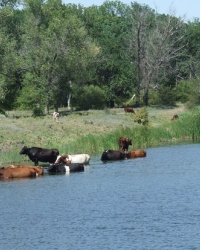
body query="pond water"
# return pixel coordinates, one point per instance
(144, 203)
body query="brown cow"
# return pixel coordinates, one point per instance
(129, 110)
(136, 153)
(39, 170)
(124, 143)
(18, 172)
(175, 117)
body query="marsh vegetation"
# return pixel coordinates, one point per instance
(95, 130)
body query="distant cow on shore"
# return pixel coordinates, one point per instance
(129, 110)
(175, 117)
(56, 116)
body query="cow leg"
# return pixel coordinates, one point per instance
(36, 161)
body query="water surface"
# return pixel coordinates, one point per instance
(144, 203)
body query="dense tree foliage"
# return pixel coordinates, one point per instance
(51, 53)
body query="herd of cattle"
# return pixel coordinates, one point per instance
(65, 163)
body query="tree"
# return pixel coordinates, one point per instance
(107, 24)
(10, 71)
(56, 50)
(154, 44)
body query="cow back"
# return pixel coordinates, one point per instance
(112, 155)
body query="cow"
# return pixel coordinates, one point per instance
(63, 168)
(18, 172)
(129, 110)
(136, 153)
(39, 170)
(36, 154)
(113, 155)
(175, 117)
(124, 143)
(56, 116)
(76, 158)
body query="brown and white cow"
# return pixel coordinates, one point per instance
(56, 116)
(76, 158)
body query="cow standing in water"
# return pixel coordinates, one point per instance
(18, 171)
(113, 155)
(136, 153)
(77, 158)
(36, 154)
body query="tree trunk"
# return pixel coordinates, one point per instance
(68, 102)
(47, 107)
(146, 97)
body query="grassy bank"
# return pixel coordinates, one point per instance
(93, 131)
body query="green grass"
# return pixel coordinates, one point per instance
(94, 131)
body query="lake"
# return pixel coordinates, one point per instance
(144, 203)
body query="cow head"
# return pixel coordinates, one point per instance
(24, 151)
(129, 141)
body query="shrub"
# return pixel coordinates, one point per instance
(89, 97)
(141, 116)
(166, 96)
(37, 112)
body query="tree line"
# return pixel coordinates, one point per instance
(54, 55)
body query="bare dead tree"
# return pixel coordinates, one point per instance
(154, 43)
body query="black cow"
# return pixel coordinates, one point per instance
(113, 155)
(36, 154)
(62, 168)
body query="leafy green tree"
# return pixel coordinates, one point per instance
(56, 50)
(10, 71)
(107, 25)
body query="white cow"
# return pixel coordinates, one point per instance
(56, 116)
(77, 158)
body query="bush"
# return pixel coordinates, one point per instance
(37, 112)
(141, 116)
(166, 96)
(89, 97)
(183, 91)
